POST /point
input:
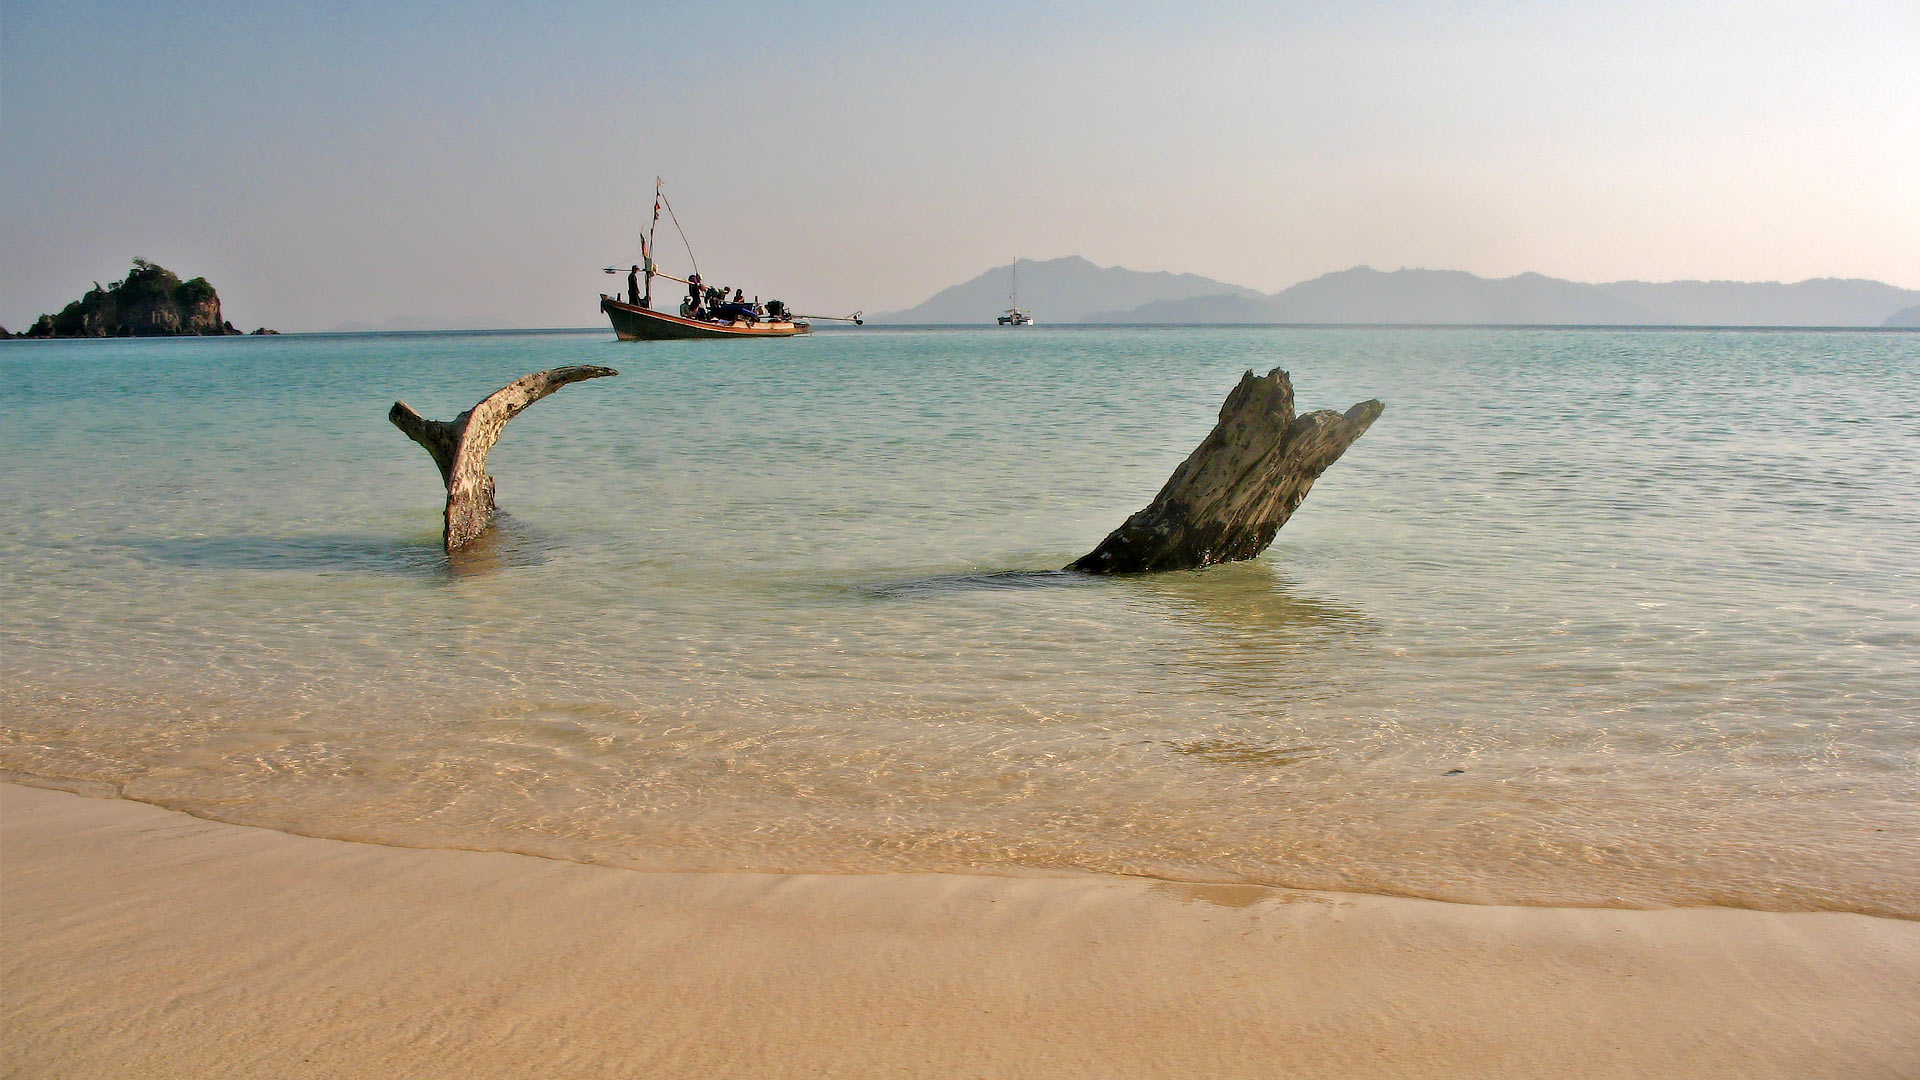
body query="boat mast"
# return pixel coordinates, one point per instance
(646, 245)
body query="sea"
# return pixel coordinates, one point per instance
(1590, 617)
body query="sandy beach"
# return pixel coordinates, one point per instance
(139, 942)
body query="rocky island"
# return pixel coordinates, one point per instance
(151, 302)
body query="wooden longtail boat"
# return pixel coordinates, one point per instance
(632, 323)
(713, 317)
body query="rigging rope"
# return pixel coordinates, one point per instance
(681, 231)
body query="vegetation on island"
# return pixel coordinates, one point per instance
(151, 301)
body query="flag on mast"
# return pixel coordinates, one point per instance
(646, 248)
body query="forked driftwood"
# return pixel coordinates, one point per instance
(1232, 494)
(459, 446)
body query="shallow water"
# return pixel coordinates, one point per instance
(1588, 617)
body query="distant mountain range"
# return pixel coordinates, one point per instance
(1073, 290)
(1064, 290)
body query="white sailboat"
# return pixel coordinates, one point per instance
(1014, 315)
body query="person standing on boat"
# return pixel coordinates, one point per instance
(633, 287)
(693, 295)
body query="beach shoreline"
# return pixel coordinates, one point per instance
(138, 941)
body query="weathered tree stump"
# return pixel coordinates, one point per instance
(1232, 494)
(459, 446)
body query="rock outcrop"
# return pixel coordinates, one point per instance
(151, 302)
(1232, 494)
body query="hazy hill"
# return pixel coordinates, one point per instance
(1815, 302)
(1226, 308)
(1073, 290)
(1068, 290)
(1365, 295)
(1905, 317)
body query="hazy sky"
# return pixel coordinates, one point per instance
(469, 164)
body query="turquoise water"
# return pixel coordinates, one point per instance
(1588, 617)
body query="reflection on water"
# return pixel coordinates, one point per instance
(943, 584)
(313, 553)
(508, 544)
(1572, 626)
(1250, 599)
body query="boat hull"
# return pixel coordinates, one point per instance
(632, 323)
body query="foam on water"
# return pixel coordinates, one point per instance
(1589, 617)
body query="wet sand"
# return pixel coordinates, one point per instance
(138, 942)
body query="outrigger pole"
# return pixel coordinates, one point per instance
(655, 273)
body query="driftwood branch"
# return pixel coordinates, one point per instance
(459, 446)
(1232, 494)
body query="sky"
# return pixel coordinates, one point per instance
(453, 165)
